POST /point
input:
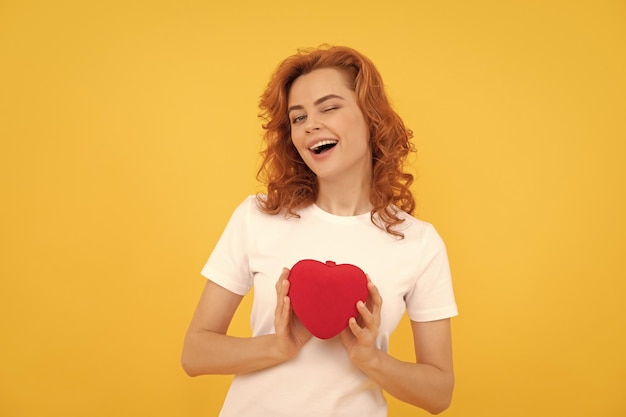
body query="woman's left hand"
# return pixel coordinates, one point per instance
(427, 383)
(359, 338)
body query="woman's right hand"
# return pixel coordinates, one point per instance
(291, 333)
(208, 350)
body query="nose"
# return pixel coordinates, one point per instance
(311, 125)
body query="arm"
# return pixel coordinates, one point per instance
(208, 350)
(428, 383)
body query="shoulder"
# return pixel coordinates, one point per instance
(251, 204)
(417, 230)
(251, 210)
(245, 212)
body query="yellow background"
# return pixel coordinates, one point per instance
(129, 133)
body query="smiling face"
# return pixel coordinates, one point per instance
(328, 128)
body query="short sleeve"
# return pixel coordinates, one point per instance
(432, 296)
(228, 264)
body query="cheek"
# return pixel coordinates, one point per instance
(297, 146)
(294, 136)
(363, 131)
(298, 141)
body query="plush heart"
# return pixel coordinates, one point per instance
(324, 295)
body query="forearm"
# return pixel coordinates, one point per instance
(419, 384)
(207, 353)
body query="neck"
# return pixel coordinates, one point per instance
(344, 199)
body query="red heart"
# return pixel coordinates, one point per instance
(324, 296)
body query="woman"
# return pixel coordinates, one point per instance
(335, 191)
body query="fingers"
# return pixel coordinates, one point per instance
(375, 300)
(357, 330)
(284, 277)
(370, 320)
(286, 310)
(283, 305)
(282, 286)
(369, 312)
(360, 337)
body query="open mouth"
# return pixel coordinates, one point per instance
(323, 146)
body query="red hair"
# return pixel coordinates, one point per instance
(290, 183)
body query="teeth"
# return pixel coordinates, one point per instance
(322, 143)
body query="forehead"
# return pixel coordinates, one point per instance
(318, 83)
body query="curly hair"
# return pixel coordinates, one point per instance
(290, 183)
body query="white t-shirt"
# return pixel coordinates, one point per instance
(411, 274)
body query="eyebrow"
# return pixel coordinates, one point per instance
(317, 102)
